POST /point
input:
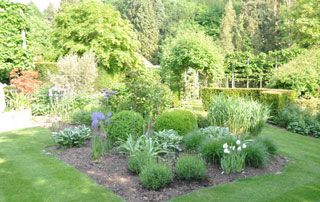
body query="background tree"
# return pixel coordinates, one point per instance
(14, 49)
(92, 25)
(193, 50)
(228, 25)
(143, 16)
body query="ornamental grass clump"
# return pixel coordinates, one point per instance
(241, 116)
(139, 160)
(257, 155)
(233, 159)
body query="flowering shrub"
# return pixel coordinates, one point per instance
(233, 159)
(26, 81)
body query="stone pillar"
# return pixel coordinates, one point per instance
(2, 98)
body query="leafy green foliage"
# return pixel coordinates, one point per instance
(169, 140)
(302, 22)
(97, 147)
(277, 100)
(212, 150)
(301, 74)
(91, 25)
(155, 176)
(191, 50)
(138, 161)
(72, 137)
(191, 168)
(193, 140)
(269, 144)
(182, 121)
(299, 121)
(143, 16)
(124, 123)
(147, 94)
(13, 20)
(257, 155)
(239, 115)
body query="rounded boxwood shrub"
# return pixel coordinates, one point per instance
(256, 155)
(124, 123)
(138, 161)
(191, 168)
(182, 121)
(155, 176)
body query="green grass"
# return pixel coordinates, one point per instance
(28, 174)
(299, 181)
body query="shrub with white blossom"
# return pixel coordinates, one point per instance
(233, 159)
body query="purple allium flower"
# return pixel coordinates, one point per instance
(95, 123)
(97, 116)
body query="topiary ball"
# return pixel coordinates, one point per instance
(182, 121)
(155, 176)
(124, 123)
(191, 168)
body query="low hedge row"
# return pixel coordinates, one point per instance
(277, 99)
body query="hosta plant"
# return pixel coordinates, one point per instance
(72, 137)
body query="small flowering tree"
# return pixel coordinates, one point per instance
(99, 139)
(233, 159)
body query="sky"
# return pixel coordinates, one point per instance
(41, 4)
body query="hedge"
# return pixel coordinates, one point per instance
(277, 99)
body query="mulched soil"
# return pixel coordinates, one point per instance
(111, 171)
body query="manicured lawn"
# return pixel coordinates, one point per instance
(28, 174)
(300, 180)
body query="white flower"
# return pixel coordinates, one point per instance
(244, 146)
(226, 151)
(225, 146)
(239, 148)
(238, 142)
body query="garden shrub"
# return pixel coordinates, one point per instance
(215, 132)
(72, 137)
(212, 150)
(148, 95)
(257, 155)
(191, 168)
(155, 176)
(299, 121)
(139, 160)
(193, 140)
(76, 74)
(241, 116)
(124, 123)
(269, 144)
(203, 121)
(182, 121)
(301, 74)
(277, 99)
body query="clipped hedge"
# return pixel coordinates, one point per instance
(277, 99)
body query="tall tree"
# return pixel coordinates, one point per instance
(142, 15)
(228, 25)
(92, 25)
